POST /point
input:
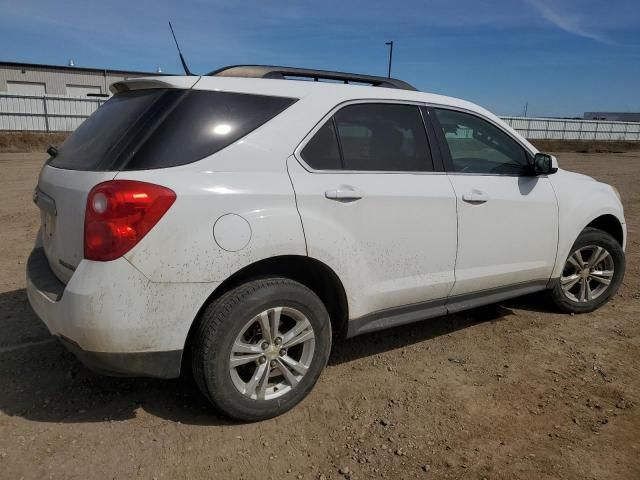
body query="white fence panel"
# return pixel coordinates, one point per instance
(64, 124)
(45, 114)
(64, 114)
(574, 129)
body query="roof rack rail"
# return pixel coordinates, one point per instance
(270, 71)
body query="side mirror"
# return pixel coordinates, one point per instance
(544, 164)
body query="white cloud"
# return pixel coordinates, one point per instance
(568, 23)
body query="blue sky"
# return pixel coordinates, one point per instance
(561, 56)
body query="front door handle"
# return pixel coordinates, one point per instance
(475, 196)
(345, 193)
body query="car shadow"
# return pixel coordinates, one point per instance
(43, 382)
(391, 339)
(535, 302)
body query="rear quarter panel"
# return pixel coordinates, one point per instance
(182, 247)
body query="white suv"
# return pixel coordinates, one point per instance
(232, 224)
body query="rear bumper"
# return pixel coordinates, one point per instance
(113, 318)
(138, 364)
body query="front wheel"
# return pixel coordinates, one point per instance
(592, 273)
(260, 348)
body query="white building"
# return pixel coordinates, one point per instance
(54, 80)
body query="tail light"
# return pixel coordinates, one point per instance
(119, 214)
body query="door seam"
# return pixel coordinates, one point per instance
(455, 261)
(555, 262)
(295, 200)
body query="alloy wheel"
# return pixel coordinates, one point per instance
(587, 273)
(272, 353)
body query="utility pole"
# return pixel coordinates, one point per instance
(390, 56)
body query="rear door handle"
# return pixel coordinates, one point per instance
(344, 192)
(475, 196)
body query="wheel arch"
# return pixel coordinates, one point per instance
(610, 224)
(607, 221)
(310, 272)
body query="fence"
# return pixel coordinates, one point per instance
(561, 129)
(64, 114)
(45, 114)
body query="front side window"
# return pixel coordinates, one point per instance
(477, 146)
(371, 137)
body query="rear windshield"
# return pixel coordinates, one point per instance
(157, 128)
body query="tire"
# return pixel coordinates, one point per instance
(589, 242)
(232, 329)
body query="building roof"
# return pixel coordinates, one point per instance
(66, 68)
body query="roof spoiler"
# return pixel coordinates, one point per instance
(282, 73)
(146, 83)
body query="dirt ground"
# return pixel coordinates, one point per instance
(508, 391)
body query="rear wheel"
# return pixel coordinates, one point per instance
(592, 273)
(260, 348)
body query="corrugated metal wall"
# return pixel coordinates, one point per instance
(56, 81)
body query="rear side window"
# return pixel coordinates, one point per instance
(322, 151)
(92, 145)
(159, 128)
(203, 123)
(372, 137)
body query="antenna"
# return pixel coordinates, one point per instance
(184, 64)
(390, 44)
